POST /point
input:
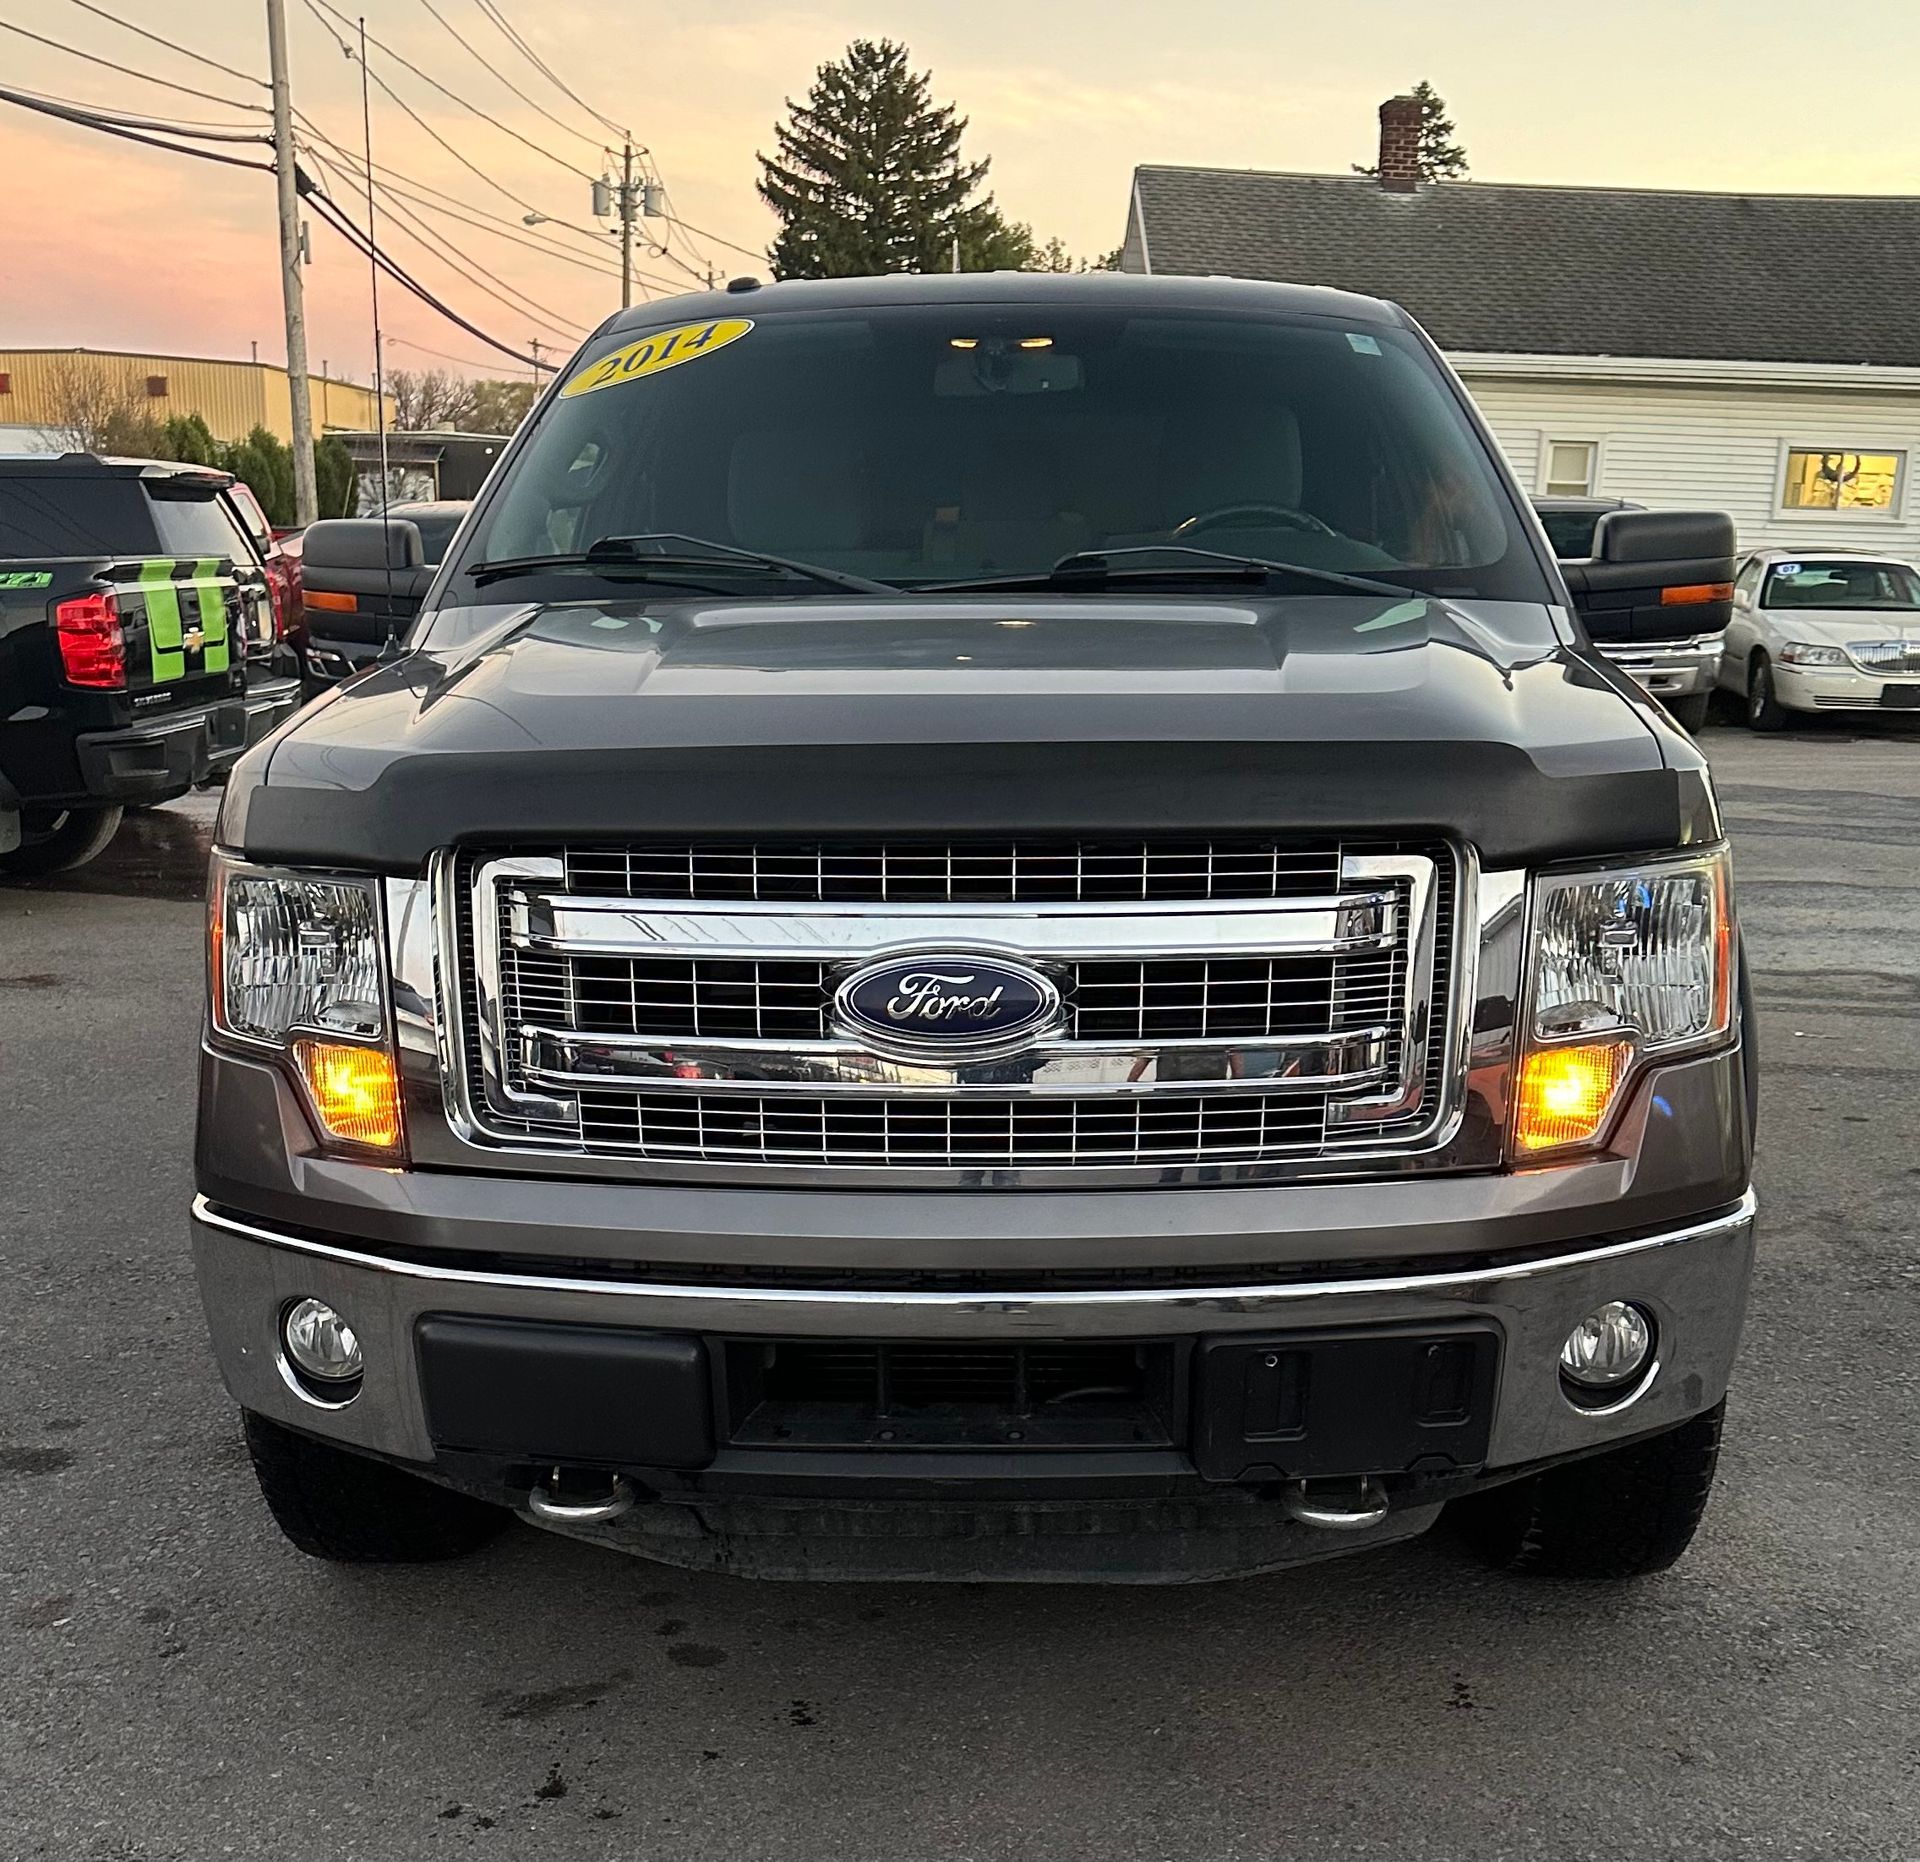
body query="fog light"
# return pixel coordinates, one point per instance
(1608, 1348)
(321, 1343)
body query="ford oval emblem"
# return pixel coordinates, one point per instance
(946, 1003)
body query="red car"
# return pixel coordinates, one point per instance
(280, 556)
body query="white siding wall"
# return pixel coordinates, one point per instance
(1711, 448)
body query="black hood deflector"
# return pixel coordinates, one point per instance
(980, 715)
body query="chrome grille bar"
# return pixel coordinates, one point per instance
(540, 919)
(563, 1060)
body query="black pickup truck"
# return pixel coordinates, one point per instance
(137, 641)
(990, 926)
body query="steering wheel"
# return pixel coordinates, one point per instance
(1225, 514)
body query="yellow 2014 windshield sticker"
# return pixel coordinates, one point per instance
(664, 349)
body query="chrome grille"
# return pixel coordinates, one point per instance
(1886, 655)
(694, 1029)
(940, 872)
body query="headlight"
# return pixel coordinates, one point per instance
(1625, 963)
(1806, 653)
(297, 965)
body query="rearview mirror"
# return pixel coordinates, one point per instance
(1655, 575)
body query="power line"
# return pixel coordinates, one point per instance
(338, 220)
(504, 295)
(145, 77)
(199, 130)
(497, 228)
(464, 213)
(715, 237)
(505, 129)
(100, 12)
(467, 45)
(88, 120)
(513, 38)
(465, 362)
(472, 168)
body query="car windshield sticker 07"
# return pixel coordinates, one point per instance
(664, 349)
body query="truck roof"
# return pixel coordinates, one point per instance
(1049, 288)
(103, 465)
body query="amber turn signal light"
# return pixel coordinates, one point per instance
(354, 1091)
(1689, 594)
(1566, 1092)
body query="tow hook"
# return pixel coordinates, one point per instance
(563, 1506)
(1351, 1509)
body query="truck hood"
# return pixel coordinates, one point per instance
(976, 714)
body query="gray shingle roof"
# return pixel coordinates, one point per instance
(1568, 270)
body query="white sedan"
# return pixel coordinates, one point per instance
(1823, 630)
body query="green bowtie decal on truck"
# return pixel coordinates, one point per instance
(186, 604)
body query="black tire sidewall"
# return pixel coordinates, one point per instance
(1764, 711)
(77, 836)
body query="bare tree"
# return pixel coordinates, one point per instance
(95, 411)
(424, 398)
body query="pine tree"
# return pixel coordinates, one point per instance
(1441, 158)
(867, 177)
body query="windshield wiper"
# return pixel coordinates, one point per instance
(1086, 568)
(639, 556)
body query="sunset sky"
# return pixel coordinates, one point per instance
(112, 245)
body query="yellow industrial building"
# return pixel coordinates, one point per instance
(37, 386)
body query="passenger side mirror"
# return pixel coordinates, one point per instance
(1655, 575)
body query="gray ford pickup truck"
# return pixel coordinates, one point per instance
(990, 927)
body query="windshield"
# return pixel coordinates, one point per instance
(927, 445)
(1842, 585)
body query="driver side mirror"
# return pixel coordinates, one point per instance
(361, 576)
(1655, 575)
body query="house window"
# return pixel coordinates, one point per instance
(1821, 480)
(1572, 468)
(6, 384)
(157, 386)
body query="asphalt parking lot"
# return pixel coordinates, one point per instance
(175, 1682)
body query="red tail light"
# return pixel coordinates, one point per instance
(280, 588)
(93, 649)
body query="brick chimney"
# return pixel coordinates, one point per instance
(1400, 145)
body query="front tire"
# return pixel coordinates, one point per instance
(59, 839)
(1764, 709)
(352, 1511)
(1626, 1513)
(1691, 713)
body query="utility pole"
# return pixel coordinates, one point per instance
(306, 496)
(533, 349)
(626, 224)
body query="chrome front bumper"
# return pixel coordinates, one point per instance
(1692, 1279)
(1681, 670)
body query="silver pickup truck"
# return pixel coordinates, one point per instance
(991, 926)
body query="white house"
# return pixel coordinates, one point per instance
(1757, 354)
